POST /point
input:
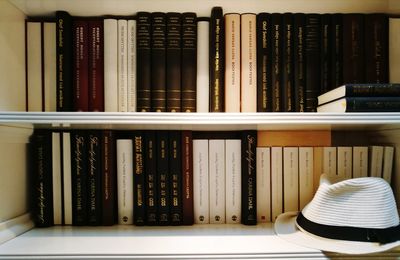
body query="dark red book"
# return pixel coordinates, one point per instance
(80, 65)
(187, 178)
(96, 66)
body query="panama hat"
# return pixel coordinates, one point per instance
(355, 216)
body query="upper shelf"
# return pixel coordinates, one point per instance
(204, 121)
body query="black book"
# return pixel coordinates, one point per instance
(325, 53)
(313, 60)
(217, 60)
(42, 178)
(249, 198)
(277, 61)
(175, 181)
(264, 87)
(362, 104)
(187, 178)
(158, 64)
(109, 179)
(64, 61)
(79, 161)
(94, 175)
(139, 212)
(143, 53)
(163, 176)
(336, 52)
(189, 62)
(299, 61)
(173, 73)
(287, 68)
(150, 167)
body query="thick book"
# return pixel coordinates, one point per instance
(375, 161)
(329, 161)
(108, 178)
(187, 178)
(317, 166)
(216, 165)
(94, 178)
(249, 196)
(163, 177)
(248, 68)
(189, 62)
(394, 51)
(276, 182)
(64, 61)
(217, 60)
(110, 28)
(96, 65)
(67, 181)
(306, 175)
(264, 87)
(122, 65)
(263, 168)
(232, 62)
(336, 50)
(325, 83)
(287, 68)
(57, 178)
(387, 168)
(175, 180)
(174, 59)
(299, 61)
(49, 71)
(132, 68)
(150, 167)
(360, 161)
(201, 201)
(203, 65)
(345, 162)
(266, 138)
(362, 104)
(360, 90)
(233, 180)
(144, 72)
(34, 79)
(277, 61)
(139, 182)
(158, 62)
(290, 179)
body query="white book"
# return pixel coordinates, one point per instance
(110, 65)
(132, 106)
(329, 161)
(233, 181)
(375, 159)
(276, 182)
(344, 162)
(34, 65)
(360, 161)
(122, 65)
(306, 175)
(388, 153)
(200, 182)
(66, 139)
(232, 62)
(263, 166)
(290, 179)
(57, 187)
(216, 165)
(248, 63)
(203, 85)
(394, 50)
(125, 181)
(50, 57)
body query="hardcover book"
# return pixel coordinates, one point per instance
(108, 178)
(306, 175)
(326, 48)
(387, 168)
(67, 181)
(216, 164)
(94, 173)
(163, 178)
(200, 182)
(277, 61)
(360, 161)
(266, 138)
(287, 68)
(49, 60)
(290, 179)
(299, 61)
(34, 80)
(57, 178)
(96, 66)
(132, 75)
(187, 178)
(375, 160)
(203, 65)
(150, 167)
(276, 182)
(139, 211)
(394, 51)
(175, 180)
(329, 161)
(122, 65)
(110, 28)
(344, 162)
(336, 53)
(233, 180)
(263, 184)
(362, 104)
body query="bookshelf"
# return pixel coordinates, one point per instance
(18, 238)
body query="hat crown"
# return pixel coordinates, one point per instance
(361, 202)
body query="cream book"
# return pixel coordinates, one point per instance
(394, 50)
(375, 159)
(122, 65)
(57, 186)
(388, 153)
(344, 162)
(360, 161)
(263, 166)
(276, 182)
(318, 166)
(200, 182)
(216, 165)
(34, 66)
(290, 179)
(131, 69)
(203, 77)
(110, 65)
(49, 60)
(67, 181)
(329, 161)
(233, 180)
(306, 175)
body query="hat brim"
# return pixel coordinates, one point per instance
(286, 228)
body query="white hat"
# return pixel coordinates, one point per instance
(355, 216)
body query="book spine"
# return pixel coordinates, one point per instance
(34, 66)
(144, 73)
(249, 199)
(67, 181)
(150, 167)
(81, 65)
(232, 62)
(248, 63)
(329, 161)
(360, 161)
(173, 68)
(344, 162)
(317, 166)
(139, 211)
(175, 181)
(187, 178)
(132, 91)
(299, 61)
(57, 178)
(290, 179)
(64, 61)
(49, 60)
(189, 62)
(94, 188)
(110, 65)
(287, 71)
(201, 201)
(108, 180)
(325, 42)
(158, 62)
(306, 176)
(394, 51)
(375, 104)
(216, 162)
(264, 94)
(122, 65)
(375, 159)
(276, 182)
(336, 53)
(277, 62)
(387, 168)
(79, 177)
(96, 66)
(217, 60)
(376, 42)
(163, 177)
(203, 66)
(233, 182)
(263, 167)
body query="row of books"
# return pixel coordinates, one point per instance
(180, 62)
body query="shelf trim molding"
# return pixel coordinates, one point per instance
(14, 227)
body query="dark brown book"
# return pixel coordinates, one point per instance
(276, 57)
(287, 68)
(163, 176)
(336, 52)
(187, 178)
(81, 65)
(325, 53)
(150, 166)
(299, 61)
(139, 212)
(94, 175)
(175, 180)
(108, 181)
(96, 66)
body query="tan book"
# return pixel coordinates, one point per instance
(311, 138)
(317, 162)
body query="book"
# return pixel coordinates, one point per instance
(360, 161)
(110, 28)
(57, 178)
(49, 60)
(189, 62)
(94, 178)
(108, 178)
(216, 165)
(299, 62)
(158, 62)
(122, 65)
(277, 61)
(375, 161)
(360, 90)
(394, 51)
(34, 68)
(96, 65)
(345, 162)
(249, 183)
(124, 150)
(387, 168)
(362, 104)
(144, 72)
(263, 167)
(217, 60)
(233, 180)
(329, 161)
(318, 166)
(276, 182)
(266, 138)
(173, 59)
(132, 68)
(306, 175)
(232, 62)
(150, 167)
(139, 208)
(67, 181)
(290, 179)
(187, 177)
(201, 202)
(336, 53)
(203, 65)
(287, 61)
(175, 180)
(326, 48)
(163, 178)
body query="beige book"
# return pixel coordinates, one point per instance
(266, 138)
(306, 175)
(375, 160)
(345, 162)
(216, 166)
(360, 161)
(329, 161)
(317, 162)
(263, 166)
(34, 66)
(388, 153)
(394, 50)
(290, 179)
(276, 182)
